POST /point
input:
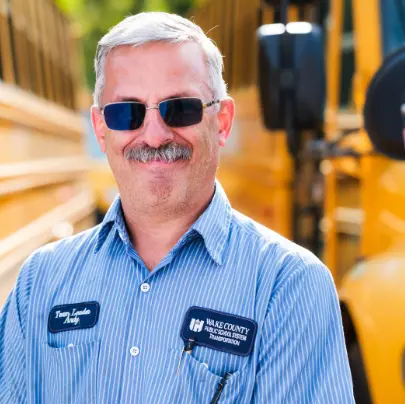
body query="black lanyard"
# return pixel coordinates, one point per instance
(220, 388)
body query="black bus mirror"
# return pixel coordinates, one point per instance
(384, 109)
(291, 67)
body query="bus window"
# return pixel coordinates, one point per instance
(348, 64)
(392, 25)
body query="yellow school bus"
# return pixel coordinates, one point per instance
(316, 177)
(44, 190)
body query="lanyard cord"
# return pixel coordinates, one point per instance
(220, 388)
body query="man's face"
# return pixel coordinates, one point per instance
(152, 73)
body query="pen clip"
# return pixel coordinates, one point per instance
(188, 348)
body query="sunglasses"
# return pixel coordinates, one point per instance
(176, 113)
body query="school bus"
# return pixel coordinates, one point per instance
(305, 161)
(44, 189)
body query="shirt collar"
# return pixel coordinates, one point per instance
(213, 225)
(113, 215)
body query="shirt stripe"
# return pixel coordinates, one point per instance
(224, 262)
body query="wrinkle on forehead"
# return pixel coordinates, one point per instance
(156, 71)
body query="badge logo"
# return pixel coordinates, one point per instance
(196, 325)
(220, 331)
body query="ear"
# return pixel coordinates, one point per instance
(225, 120)
(99, 126)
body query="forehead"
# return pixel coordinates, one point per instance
(155, 71)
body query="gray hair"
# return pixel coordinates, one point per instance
(144, 28)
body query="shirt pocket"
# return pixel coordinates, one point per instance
(196, 384)
(71, 373)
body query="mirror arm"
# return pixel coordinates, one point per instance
(321, 149)
(284, 12)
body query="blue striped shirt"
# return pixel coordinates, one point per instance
(224, 262)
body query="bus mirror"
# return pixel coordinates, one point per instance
(384, 102)
(291, 65)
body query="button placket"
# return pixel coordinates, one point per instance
(134, 351)
(145, 287)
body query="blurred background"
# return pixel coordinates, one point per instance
(316, 150)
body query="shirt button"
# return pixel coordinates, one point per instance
(134, 351)
(145, 287)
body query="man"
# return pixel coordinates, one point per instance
(175, 297)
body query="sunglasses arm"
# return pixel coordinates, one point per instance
(209, 104)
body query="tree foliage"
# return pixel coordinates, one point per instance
(93, 18)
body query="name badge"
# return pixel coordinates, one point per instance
(67, 317)
(219, 331)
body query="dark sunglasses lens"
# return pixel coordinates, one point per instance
(124, 115)
(181, 112)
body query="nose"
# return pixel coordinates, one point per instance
(155, 132)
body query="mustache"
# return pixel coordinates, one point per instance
(167, 153)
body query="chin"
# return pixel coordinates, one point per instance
(163, 190)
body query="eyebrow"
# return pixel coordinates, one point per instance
(124, 99)
(181, 94)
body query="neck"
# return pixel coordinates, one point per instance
(154, 234)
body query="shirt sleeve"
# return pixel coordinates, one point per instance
(12, 340)
(303, 358)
